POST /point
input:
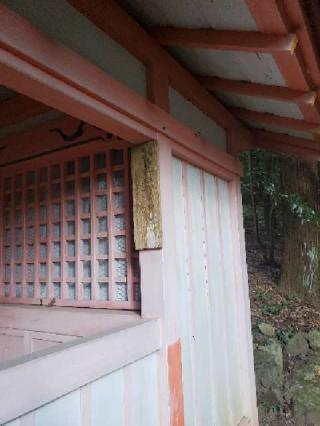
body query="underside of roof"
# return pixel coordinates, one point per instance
(259, 58)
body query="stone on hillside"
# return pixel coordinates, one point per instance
(267, 329)
(314, 340)
(297, 345)
(304, 392)
(268, 362)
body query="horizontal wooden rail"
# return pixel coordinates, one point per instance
(55, 372)
(276, 120)
(112, 19)
(285, 144)
(243, 41)
(258, 90)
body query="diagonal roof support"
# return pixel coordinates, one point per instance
(278, 93)
(276, 120)
(289, 145)
(243, 41)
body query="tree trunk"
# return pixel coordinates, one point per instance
(254, 203)
(300, 273)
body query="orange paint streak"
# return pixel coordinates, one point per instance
(175, 385)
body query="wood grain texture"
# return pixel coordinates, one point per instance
(146, 196)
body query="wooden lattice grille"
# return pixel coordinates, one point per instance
(66, 222)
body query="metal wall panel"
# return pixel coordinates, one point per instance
(213, 355)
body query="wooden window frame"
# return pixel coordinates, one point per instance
(75, 154)
(87, 93)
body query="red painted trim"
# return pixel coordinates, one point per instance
(19, 108)
(79, 278)
(287, 144)
(158, 86)
(276, 16)
(243, 41)
(259, 90)
(270, 18)
(89, 93)
(297, 18)
(41, 140)
(267, 118)
(175, 385)
(202, 162)
(112, 19)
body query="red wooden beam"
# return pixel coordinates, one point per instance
(158, 86)
(112, 19)
(259, 90)
(276, 120)
(19, 108)
(243, 41)
(282, 17)
(287, 144)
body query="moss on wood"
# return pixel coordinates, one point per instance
(146, 196)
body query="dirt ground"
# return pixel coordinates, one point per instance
(287, 314)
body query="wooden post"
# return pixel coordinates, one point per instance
(146, 196)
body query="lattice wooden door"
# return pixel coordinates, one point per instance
(66, 230)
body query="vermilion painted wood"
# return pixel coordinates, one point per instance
(297, 18)
(267, 118)
(59, 158)
(111, 19)
(43, 140)
(158, 86)
(259, 90)
(269, 17)
(175, 384)
(153, 120)
(19, 108)
(288, 144)
(275, 16)
(201, 161)
(243, 41)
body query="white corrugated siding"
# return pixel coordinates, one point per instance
(216, 371)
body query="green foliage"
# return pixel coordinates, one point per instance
(270, 408)
(301, 209)
(265, 171)
(284, 335)
(269, 307)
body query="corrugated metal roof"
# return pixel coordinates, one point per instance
(257, 68)
(233, 65)
(221, 14)
(284, 109)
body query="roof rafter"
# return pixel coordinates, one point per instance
(281, 17)
(19, 108)
(259, 90)
(276, 120)
(245, 41)
(285, 144)
(112, 19)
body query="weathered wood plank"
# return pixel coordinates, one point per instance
(146, 196)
